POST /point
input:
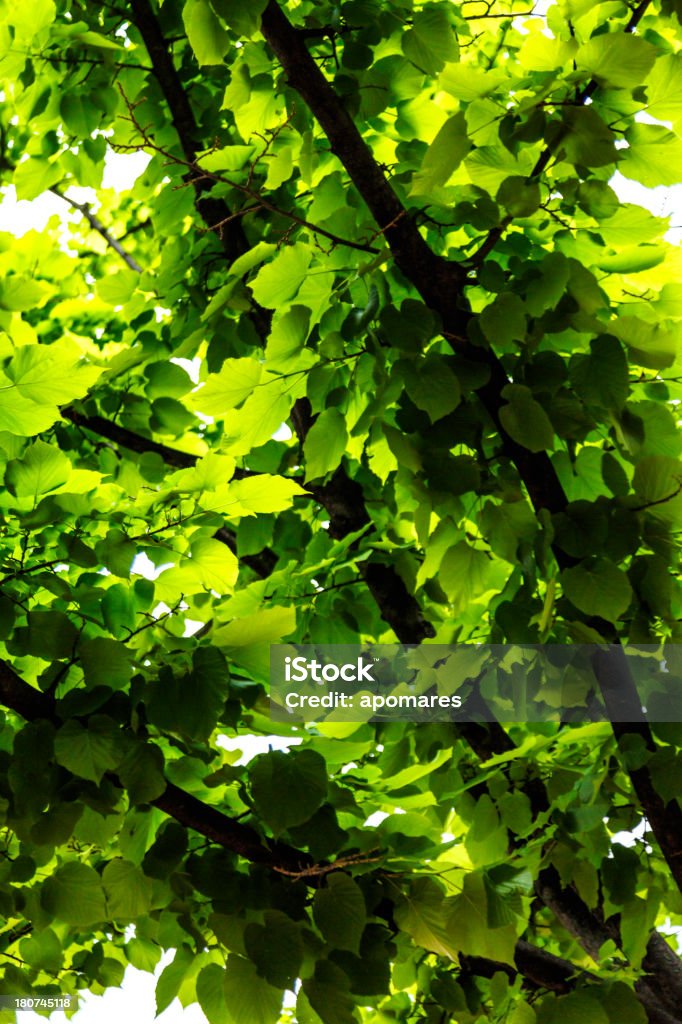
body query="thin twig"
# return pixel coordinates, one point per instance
(319, 870)
(199, 173)
(97, 225)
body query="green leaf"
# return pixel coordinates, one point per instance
(468, 82)
(243, 18)
(19, 292)
(105, 662)
(21, 416)
(229, 388)
(486, 841)
(633, 260)
(326, 995)
(602, 378)
(443, 156)
(519, 196)
(211, 993)
(468, 923)
(89, 751)
(276, 948)
(119, 609)
(51, 635)
(262, 493)
(287, 338)
(141, 772)
(504, 321)
(653, 345)
(35, 175)
(423, 917)
(616, 60)
(576, 1008)
(434, 388)
(230, 158)
(127, 891)
(74, 894)
(43, 468)
(258, 254)
(598, 587)
(51, 373)
(664, 88)
(431, 42)
(340, 913)
(218, 568)
(598, 199)
(144, 955)
(260, 417)
(288, 788)
(246, 640)
(464, 574)
(43, 951)
(207, 37)
(118, 288)
(325, 444)
(172, 977)
(585, 138)
(277, 282)
(652, 156)
(249, 999)
(525, 420)
(657, 482)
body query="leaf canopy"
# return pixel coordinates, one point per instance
(345, 330)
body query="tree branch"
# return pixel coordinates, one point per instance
(440, 284)
(219, 828)
(213, 211)
(344, 502)
(262, 563)
(341, 497)
(541, 969)
(581, 98)
(128, 439)
(97, 225)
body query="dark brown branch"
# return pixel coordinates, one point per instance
(97, 225)
(624, 709)
(198, 174)
(440, 284)
(580, 99)
(343, 500)
(660, 991)
(304, 76)
(219, 828)
(128, 439)
(537, 966)
(225, 831)
(341, 497)
(213, 211)
(539, 969)
(262, 563)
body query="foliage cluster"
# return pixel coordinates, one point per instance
(390, 225)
